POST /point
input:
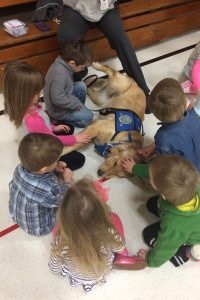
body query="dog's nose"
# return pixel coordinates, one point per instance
(100, 172)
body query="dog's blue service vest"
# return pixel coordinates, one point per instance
(125, 120)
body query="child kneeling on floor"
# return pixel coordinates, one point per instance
(35, 191)
(180, 128)
(89, 238)
(177, 206)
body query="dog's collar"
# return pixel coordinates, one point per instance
(103, 149)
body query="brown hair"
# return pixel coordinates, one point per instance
(21, 83)
(77, 51)
(85, 226)
(38, 150)
(175, 178)
(167, 101)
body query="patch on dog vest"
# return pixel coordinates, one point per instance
(125, 120)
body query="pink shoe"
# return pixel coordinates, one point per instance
(121, 259)
(125, 262)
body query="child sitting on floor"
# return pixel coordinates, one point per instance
(65, 98)
(89, 238)
(179, 131)
(35, 192)
(22, 87)
(178, 207)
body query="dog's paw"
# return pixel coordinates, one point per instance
(96, 65)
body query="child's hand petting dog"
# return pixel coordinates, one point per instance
(128, 164)
(83, 138)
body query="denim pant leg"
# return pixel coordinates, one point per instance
(84, 116)
(80, 91)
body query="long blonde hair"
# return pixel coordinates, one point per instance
(21, 83)
(85, 226)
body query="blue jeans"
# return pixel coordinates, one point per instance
(84, 116)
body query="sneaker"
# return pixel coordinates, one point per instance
(193, 252)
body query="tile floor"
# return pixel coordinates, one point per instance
(24, 272)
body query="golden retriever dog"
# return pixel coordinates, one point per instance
(111, 167)
(121, 92)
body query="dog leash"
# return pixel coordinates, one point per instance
(93, 81)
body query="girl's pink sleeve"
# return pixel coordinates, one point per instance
(196, 74)
(35, 123)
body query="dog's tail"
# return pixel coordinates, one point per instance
(98, 66)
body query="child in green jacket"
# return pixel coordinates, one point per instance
(178, 207)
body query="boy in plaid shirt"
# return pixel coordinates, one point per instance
(35, 192)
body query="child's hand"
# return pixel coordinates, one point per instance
(61, 166)
(127, 165)
(79, 107)
(67, 175)
(147, 150)
(142, 254)
(83, 138)
(61, 128)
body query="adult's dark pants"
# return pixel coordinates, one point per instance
(150, 234)
(74, 26)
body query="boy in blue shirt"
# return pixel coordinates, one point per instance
(180, 128)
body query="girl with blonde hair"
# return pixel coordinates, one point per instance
(21, 89)
(87, 242)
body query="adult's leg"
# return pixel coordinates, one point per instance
(73, 26)
(74, 160)
(111, 25)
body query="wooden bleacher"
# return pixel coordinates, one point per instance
(146, 23)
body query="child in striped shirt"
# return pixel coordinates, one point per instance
(87, 242)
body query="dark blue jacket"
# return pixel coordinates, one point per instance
(181, 138)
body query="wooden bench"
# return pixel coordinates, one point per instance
(146, 23)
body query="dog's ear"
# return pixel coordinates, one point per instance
(113, 150)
